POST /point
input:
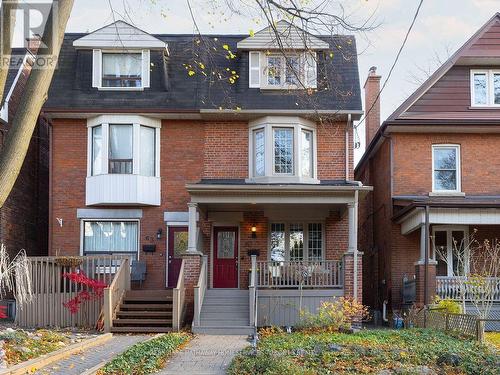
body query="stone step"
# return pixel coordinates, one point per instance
(141, 329)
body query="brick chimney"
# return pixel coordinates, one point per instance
(372, 88)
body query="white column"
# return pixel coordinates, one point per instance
(422, 245)
(192, 228)
(352, 209)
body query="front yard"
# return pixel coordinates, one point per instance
(412, 351)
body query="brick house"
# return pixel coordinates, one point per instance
(434, 168)
(193, 156)
(23, 217)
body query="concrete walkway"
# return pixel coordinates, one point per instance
(78, 363)
(205, 355)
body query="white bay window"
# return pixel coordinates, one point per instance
(282, 149)
(123, 150)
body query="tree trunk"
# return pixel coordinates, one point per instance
(34, 96)
(8, 22)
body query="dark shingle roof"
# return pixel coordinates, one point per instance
(173, 90)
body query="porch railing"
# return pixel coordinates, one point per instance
(295, 274)
(199, 291)
(450, 287)
(179, 294)
(113, 294)
(51, 290)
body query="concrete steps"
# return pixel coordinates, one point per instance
(144, 311)
(225, 312)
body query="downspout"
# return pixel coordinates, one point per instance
(349, 124)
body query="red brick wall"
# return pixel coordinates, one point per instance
(331, 150)
(413, 175)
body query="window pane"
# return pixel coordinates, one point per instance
(180, 243)
(496, 87)
(296, 242)
(120, 148)
(315, 242)
(292, 68)
(441, 251)
(274, 69)
(306, 153)
(110, 237)
(445, 180)
(480, 88)
(121, 69)
(283, 150)
(278, 242)
(96, 150)
(259, 152)
(225, 245)
(445, 158)
(147, 158)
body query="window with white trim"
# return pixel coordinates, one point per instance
(123, 149)
(296, 241)
(446, 168)
(120, 69)
(277, 70)
(485, 88)
(111, 238)
(282, 148)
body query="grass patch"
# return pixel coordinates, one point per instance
(145, 357)
(22, 346)
(366, 352)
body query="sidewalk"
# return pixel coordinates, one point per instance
(205, 355)
(78, 363)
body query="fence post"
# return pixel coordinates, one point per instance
(446, 324)
(480, 330)
(107, 310)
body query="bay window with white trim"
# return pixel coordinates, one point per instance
(282, 150)
(296, 241)
(105, 237)
(446, 169)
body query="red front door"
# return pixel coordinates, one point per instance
(225, 257)
(177, 245)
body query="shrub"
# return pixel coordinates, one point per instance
(269, 331)
(333, 316)
(448, 305)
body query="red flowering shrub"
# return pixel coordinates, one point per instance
(94, 289)
(3, 313)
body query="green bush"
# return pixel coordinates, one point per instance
(145, 357)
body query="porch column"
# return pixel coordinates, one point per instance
(352, 258)
(420, 272)
(192, 228)
(352, 209)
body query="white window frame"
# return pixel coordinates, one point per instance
(305, 58)
(458, 169)
(268, 124)
(490, 88)
(97, 69)
(82, 232)
(136, 122)
(449, 229)
(305, 226)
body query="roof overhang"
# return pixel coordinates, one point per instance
(273, 194)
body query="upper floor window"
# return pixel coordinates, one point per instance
(282, 150)
(282, 70)
(124, 148)
(120, 70)
(485, 88)
(446, 168)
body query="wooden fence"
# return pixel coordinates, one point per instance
(51, 290)
(463, 324)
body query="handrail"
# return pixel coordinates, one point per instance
(199, 291)
(113, 294)
(179, 294)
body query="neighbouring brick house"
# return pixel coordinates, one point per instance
(24, 216)
(433, 163)
(164, 150)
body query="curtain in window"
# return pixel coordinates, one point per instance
(96, 150)
(110, 237)
(120, 149)
(147, 158)
(121, 69)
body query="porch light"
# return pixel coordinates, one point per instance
(254, 232)
(158, 234)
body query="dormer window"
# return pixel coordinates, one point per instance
(121, 69)
(282, 149)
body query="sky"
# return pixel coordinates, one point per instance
(442, 27)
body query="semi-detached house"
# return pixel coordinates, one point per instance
(221, 164)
